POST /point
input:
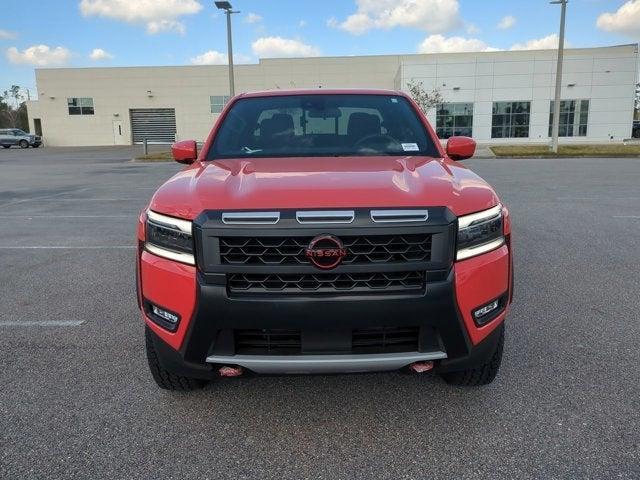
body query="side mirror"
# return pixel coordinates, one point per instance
(460, 148)
(185, 151)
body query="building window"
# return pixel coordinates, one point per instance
(80, 106)
(453, 119)
(218, 102)
(510, 119)
(574, 117)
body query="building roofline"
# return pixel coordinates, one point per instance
(391, 55)
(397, 55)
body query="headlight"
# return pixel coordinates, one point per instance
(480, 233)
(169, 237)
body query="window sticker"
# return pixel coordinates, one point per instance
(410, 147)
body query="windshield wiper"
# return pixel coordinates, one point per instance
(249, 151)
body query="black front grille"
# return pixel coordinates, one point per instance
(363, 341)
(268, 342)
(385, 340)
(370, 249)
(325, 282)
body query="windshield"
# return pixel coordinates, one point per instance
(321, 125)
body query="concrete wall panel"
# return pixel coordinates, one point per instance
(605, 76)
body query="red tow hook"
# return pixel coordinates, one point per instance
(230, 371)
(421, 367)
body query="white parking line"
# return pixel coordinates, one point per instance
(66, 247)
(41, 323)
(626, 216)
(42, 197)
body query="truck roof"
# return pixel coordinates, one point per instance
(321, 91)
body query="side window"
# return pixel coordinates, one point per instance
(454, 119)
(510, 119)
(86, 106)
(80, 106)
(218, 102)
(574, 118)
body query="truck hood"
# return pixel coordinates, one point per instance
(322, 182)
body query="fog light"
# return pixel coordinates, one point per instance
(162, 317)
(482, 315)
(168, 316)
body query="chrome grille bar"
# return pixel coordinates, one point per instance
(399, 216)
(329, 216)
(250, 218)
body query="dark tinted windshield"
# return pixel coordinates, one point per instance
(317, 125)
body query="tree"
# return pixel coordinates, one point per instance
(13, 110)
(425, 100)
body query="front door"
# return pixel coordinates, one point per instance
(118, 137)
(37, 125)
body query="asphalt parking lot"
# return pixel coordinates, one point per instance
(77, 401)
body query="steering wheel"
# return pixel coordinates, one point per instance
(377, 138)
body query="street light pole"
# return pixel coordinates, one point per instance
(555, 130)
(226, 6)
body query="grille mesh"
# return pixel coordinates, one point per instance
(268, 342)
(321, 282)
(385, 339)
(289, 342)
(373, 249)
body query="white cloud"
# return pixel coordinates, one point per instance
(507, 22)
(472, 29)
(39, 55)
(98, 54)
(302, 23)
(157, 16)
(431, 15)
(441, 44)
(252, 18)
(626, 20)
(356, 24)
(7, 35)
(159, 26)
(282, 47)
(549, 42)
(210, 57)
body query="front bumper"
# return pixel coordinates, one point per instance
(204, 339)
(308, 364)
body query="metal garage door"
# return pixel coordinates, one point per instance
(157, 125)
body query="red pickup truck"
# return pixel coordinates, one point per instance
(323, 231)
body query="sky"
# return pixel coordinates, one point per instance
(110, 33)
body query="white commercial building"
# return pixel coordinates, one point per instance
(496, 97)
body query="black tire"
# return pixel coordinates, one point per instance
(482, 374)
(6, 146)
(35, 146)
(163, 378)
(23, 144)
